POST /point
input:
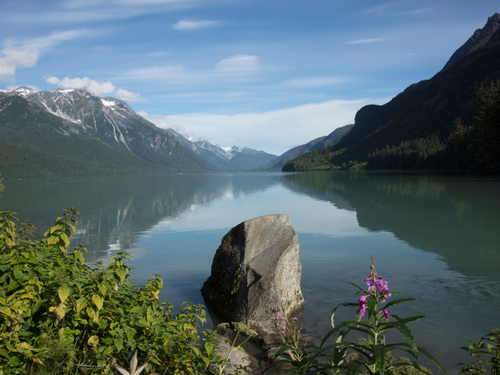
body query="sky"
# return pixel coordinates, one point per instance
(265, 74)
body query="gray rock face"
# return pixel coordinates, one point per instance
(255, 268)
(239, 360)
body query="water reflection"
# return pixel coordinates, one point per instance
(454, 216)
(116, 211)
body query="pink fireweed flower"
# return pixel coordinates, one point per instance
(362, 304)
(370, 355)
(279, 318)
(295, 319)
(386, 313)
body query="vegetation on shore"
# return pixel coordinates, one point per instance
(59, 315)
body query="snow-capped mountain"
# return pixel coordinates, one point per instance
(114, 123)
(83, 118)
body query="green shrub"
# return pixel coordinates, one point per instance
(59, 315)
(486, 353)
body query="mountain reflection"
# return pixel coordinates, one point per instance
(456, 216)
(116, 211)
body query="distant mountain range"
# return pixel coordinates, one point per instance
(75, 133)
(419, 120)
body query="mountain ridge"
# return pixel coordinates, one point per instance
(113, 123)
(429, 108)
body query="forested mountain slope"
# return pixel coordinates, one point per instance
(416, 125)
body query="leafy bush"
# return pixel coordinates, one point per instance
(488, 346)
(59, 315)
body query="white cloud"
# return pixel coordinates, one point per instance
(362, 41)
(174, 73)
(25, 53)
(85, 83)
(273, 131)
(238, 64)
(316, 81)
(11, 59)
(95, 87)
(128, 96)
(191, 25)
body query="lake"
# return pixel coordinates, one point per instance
(435, 237)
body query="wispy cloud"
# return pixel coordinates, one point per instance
(316, 81)
(361, 41)
(95, 87)
(238, 66)
(24, 53)
(90, 11)
(191, 25)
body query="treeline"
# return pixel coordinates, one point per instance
(475, 147)
(316, 160)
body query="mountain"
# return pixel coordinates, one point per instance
(226, 158)
(423, 118)
(331, 139)
(75, 133)
(72, 132)
(247, 158)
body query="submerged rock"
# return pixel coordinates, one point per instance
(255, 268)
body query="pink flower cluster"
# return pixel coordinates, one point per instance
(279, 318)
(375, 284)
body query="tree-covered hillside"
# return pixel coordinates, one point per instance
(424, 123)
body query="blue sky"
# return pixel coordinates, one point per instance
(268, 75)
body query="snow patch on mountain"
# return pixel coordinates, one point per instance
(108, 103)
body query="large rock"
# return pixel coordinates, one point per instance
(255, 268)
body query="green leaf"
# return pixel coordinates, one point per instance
(209, 347)
(98, 301)
(118, 343)
(396, 301)
(428, 355)
(379, 353)
(103, 289)
(353, 368)
(121, 274)
(81, 303)
(408, 335)
(63, 292)
(65, 238)
(56, 227)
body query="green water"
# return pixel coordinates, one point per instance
(435, 237)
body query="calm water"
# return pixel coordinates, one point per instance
(435, 237)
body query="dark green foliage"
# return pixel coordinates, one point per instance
(489, 347)
(415, 154)
(59, 315)
(486, 129)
